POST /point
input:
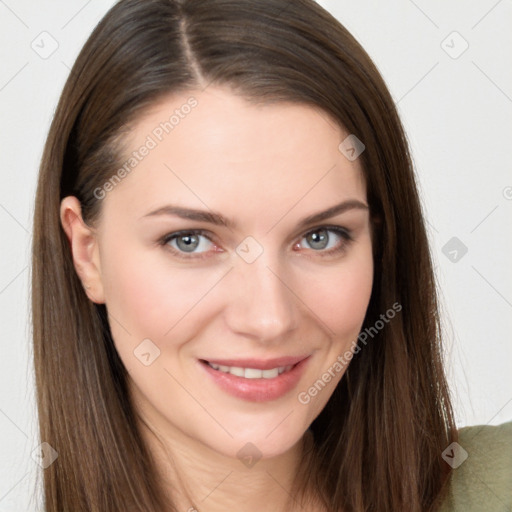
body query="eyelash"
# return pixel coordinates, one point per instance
(345, 234)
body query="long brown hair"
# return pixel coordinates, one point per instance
(377, 444)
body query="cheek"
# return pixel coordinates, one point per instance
(340, 297)
(149, 298)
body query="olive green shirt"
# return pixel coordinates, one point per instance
(482, 470)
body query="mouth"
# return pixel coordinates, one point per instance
(256, 380)
(251, 373)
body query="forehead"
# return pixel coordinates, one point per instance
(213, 148)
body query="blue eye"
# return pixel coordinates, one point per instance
(320, 239)
(184, 244)
(187, 241)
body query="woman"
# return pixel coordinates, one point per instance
(233, 298)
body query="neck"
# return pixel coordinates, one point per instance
(201, 479)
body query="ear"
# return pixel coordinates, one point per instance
(84, 248)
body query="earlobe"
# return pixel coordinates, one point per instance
(84, 248)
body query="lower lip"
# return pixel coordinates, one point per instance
(257, 390)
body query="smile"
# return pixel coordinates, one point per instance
(255, 380)
(251, 373)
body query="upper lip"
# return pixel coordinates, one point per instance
(259, 364)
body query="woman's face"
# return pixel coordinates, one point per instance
(269, 292)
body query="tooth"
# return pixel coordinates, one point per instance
(253, 373)
(236, 370)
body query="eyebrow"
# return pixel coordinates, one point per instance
(217, 219)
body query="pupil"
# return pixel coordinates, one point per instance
(318, 238)
(190, 242)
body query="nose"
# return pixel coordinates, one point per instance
(263, 305)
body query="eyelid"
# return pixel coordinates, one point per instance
(344, 233)
(329, 227)
(341, 231)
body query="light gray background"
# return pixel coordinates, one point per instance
(457, 111)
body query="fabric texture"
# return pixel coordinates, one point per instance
(482, 470)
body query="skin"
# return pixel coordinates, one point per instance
(265, 167)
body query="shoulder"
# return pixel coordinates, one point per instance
(482, 469)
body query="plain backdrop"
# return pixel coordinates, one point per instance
(447, 65)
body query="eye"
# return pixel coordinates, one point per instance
(325, 244)
(185, 244)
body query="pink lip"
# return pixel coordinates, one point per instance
(258, 390)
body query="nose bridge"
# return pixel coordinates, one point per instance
(263, 306)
